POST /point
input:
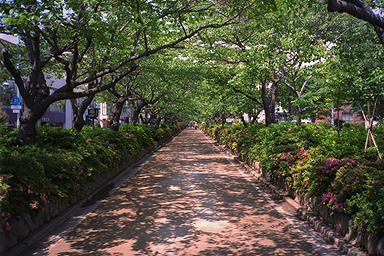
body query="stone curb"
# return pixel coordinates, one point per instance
(125, 170)
(329, 234)
(315, 222)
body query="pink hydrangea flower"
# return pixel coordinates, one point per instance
(34, 205)
(327, 196)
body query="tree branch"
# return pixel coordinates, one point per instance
(15, 74)
(182, 25)
(114, 92)
(151, 52)
(358, 9)
(305, 84)
(248, 95)
(64, 93)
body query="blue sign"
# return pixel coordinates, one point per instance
(15, 101)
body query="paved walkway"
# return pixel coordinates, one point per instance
(188, 198)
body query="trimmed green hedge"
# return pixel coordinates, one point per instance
(63, 162)
(312, 159)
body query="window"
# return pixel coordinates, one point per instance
(347, 117)
(104, 109)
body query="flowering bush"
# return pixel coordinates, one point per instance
(344, 178)
(313, 159)
(62, 163)
(4, 216)
(366, 200)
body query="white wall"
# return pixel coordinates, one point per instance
(68, 115)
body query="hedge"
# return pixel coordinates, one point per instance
(63, 163)
(314, 160)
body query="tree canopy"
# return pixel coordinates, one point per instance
(192, 60)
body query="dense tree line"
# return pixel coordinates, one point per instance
(193, 60)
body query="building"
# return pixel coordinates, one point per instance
(58, 114)
(345, 114)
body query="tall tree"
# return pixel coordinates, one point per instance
(58, 36)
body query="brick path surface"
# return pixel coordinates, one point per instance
(188, 198)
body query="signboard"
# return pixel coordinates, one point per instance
(16, 107)
(16, 111)
(15, 101)
(93, 112)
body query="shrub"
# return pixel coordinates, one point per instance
(139, 135)
(312, 159)
(53, 138)
(7, 135)
(62, 163)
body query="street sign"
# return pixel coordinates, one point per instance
(16, 107)
(93, 112)
(15, 101)
(16, 111)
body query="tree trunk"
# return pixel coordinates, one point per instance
(299, 116)
(79, 110)
(143, 119)
(270, 117)
(222, 118)
(338, 118)
(313, 118)
(153, 120)
(27, 131)
(254, 116)
(158, 121)
(243, 120)
(269, 101)
(116, 113)
(291, 110)
(135, 116)
(299, 120)
(136, 113)
(269, 106)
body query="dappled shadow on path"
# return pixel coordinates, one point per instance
(186, 200)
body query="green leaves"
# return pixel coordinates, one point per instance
(65, 162)
(311, 160)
